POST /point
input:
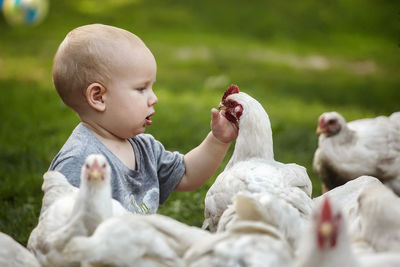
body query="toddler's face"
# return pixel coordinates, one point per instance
(130, 98)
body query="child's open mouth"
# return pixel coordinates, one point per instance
(148, 120)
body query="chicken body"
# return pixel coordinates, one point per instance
(13, 254)
(135, 240)
(379, 213)
(361, 147)
(249, 241)
(282, 210)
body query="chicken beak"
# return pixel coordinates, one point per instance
(221, 106)
(95, 174)
(326, 229)
(319, 130)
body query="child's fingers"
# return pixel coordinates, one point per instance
(214, 115)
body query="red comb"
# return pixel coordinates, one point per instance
(326, 210)
(321, 122)
(233, 89)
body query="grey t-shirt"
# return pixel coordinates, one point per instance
(157, 173)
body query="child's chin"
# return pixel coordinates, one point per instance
(141, 130)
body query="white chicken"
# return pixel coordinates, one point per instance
(346, 197)
(327, 244)
(273, 208)
(13, 254)
(69, 211)
(249, 241)
(361, 147)
(135, 240)
(252, 166)
(379, 224)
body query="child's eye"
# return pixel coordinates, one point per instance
(141, 89)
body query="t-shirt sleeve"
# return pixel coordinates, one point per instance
(70, 166)
(170, 169)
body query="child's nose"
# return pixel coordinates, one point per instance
(153, 98)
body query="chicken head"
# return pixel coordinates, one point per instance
(233, 110)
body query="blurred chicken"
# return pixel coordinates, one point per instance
(346, 197)
(249, 241)
(379, 211)
(274, 209)
(327, 244)
(387, 259)
(13, 254)
(252, 167)
(69, 212)
(135, 240)
(361, 147)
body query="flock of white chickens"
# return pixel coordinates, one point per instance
(259, 212)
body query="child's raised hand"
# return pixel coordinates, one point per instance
(224, 130)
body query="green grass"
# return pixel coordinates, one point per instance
(298, 59)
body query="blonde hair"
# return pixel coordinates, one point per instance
(87, 55)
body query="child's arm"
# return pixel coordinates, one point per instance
(202, 161)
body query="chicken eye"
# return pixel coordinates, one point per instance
(87, 166)
(331, 121)
(104, 165)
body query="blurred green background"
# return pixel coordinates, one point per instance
(298, 58)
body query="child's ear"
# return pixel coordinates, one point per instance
(94, 96)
